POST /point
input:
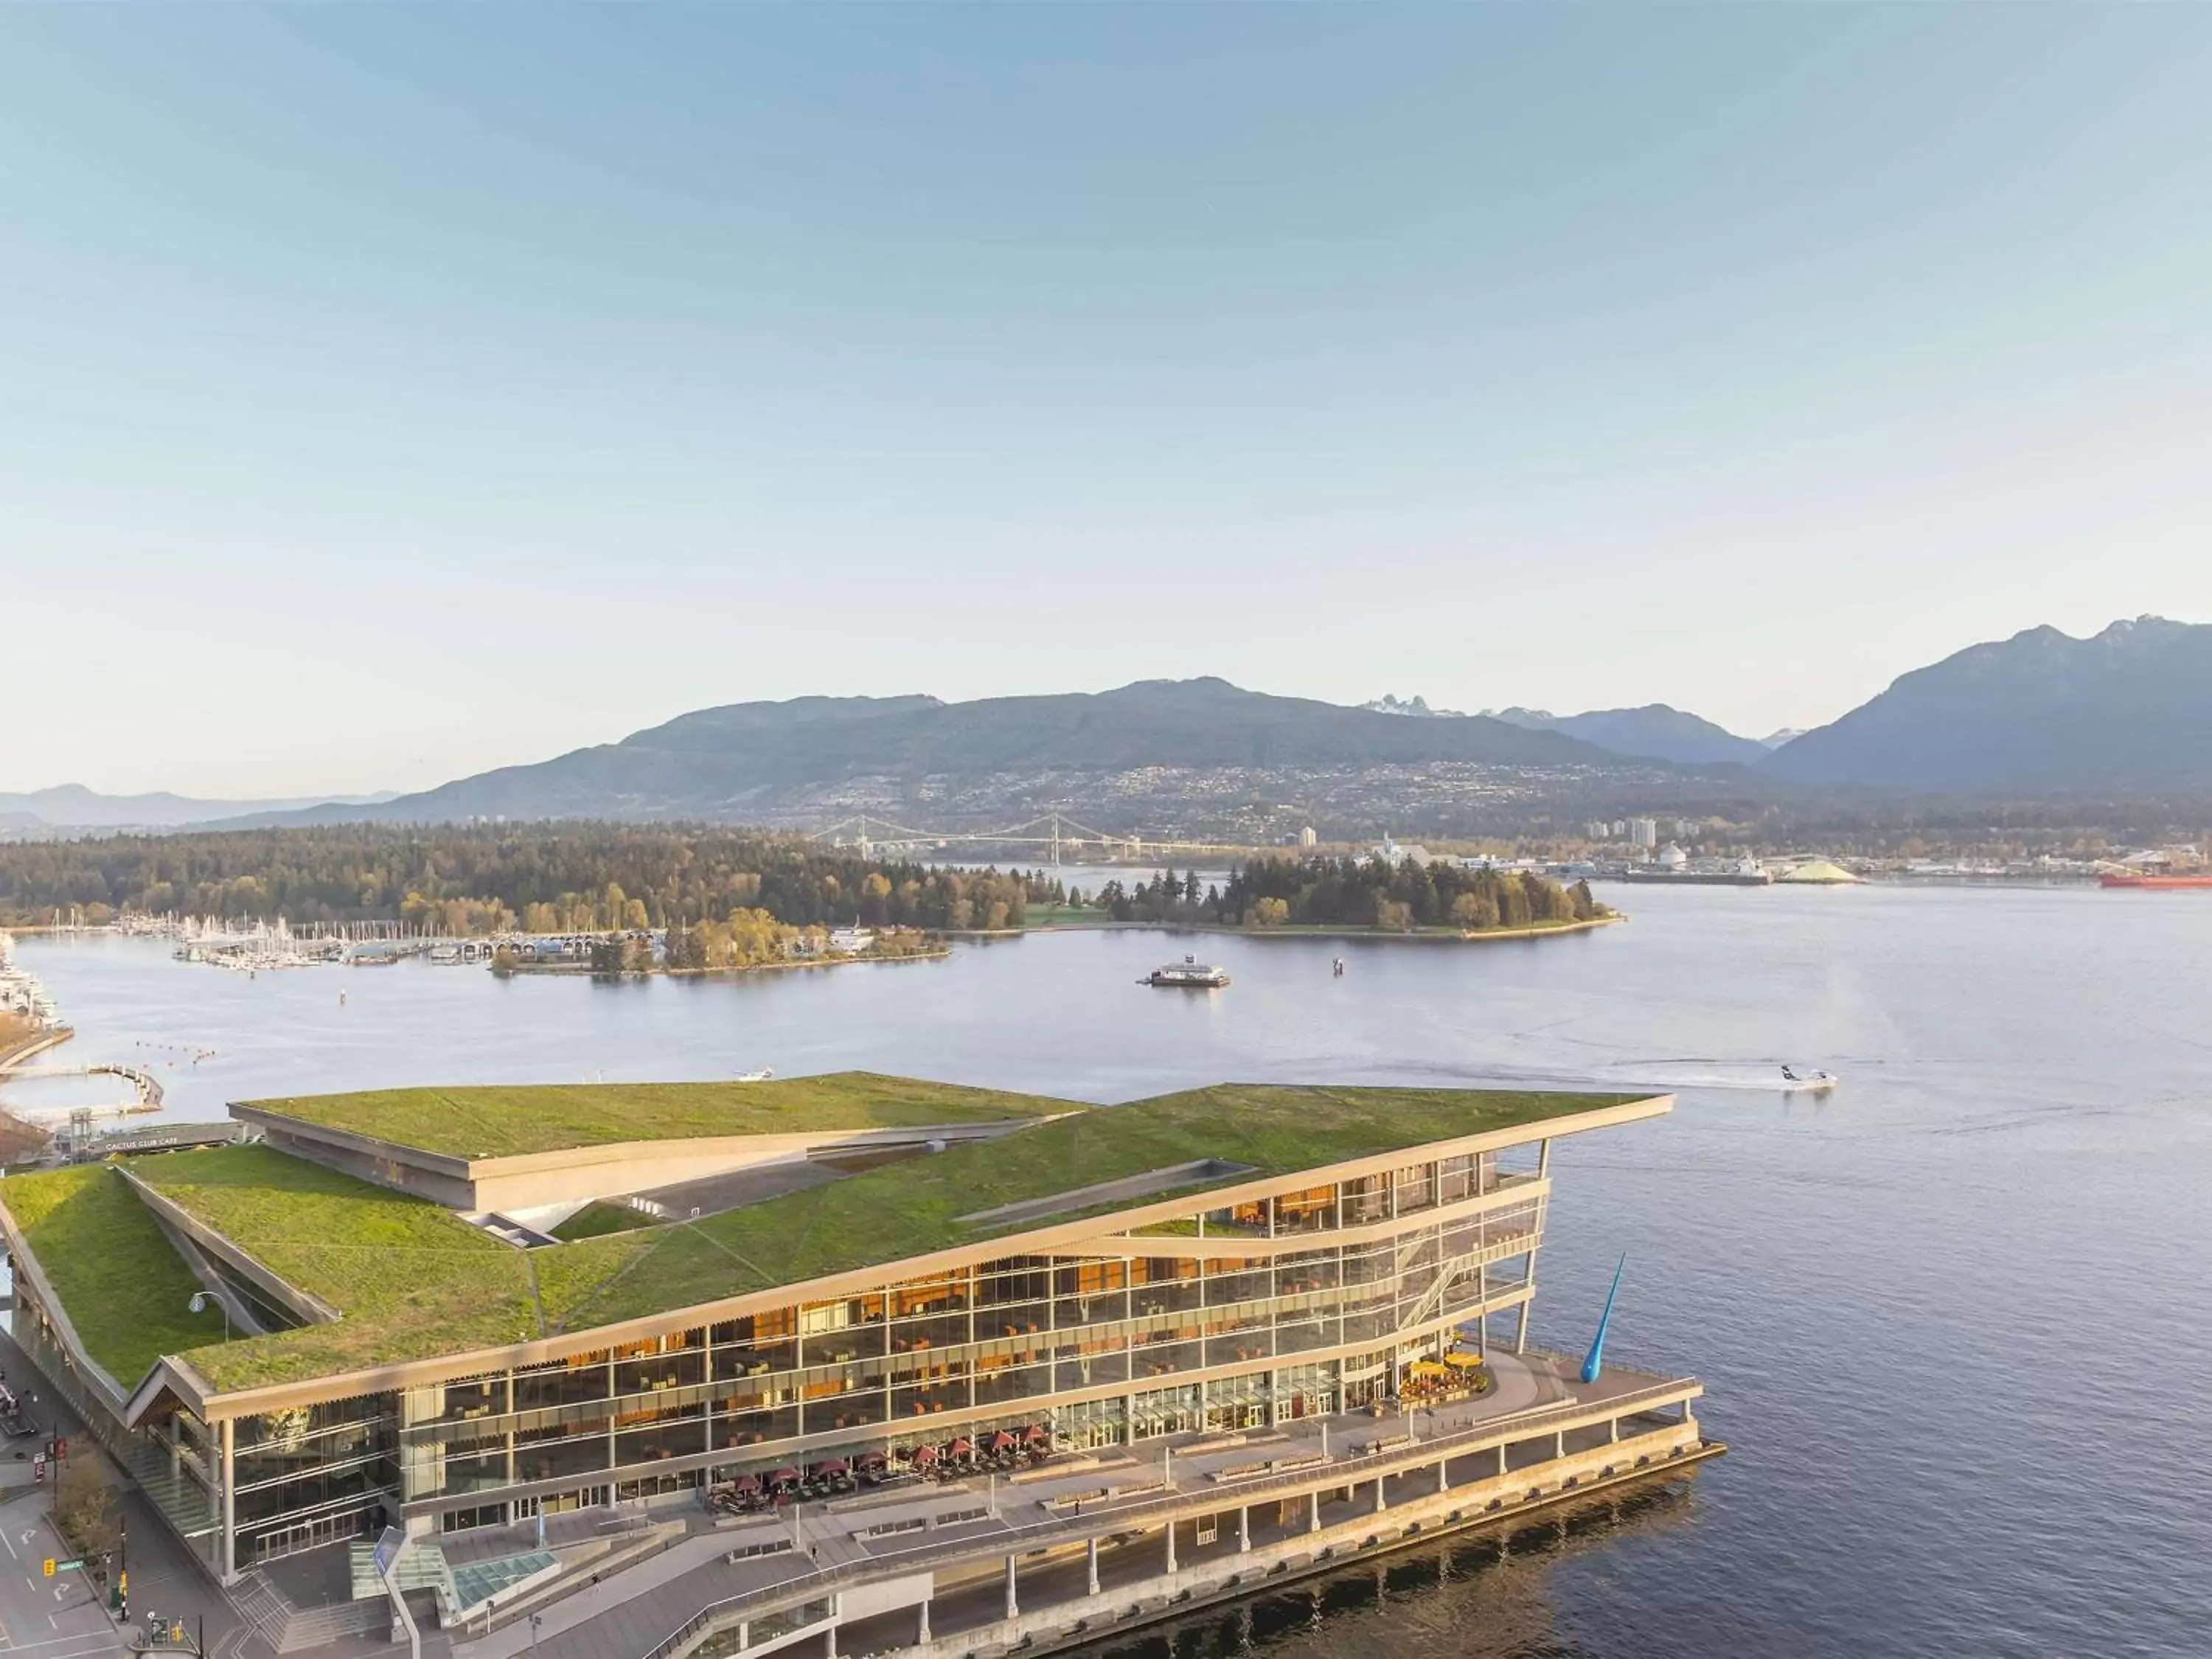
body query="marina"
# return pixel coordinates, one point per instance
(23, 997)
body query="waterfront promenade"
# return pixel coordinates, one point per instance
(1120, 1535)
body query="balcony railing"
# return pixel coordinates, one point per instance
(1016, 1536)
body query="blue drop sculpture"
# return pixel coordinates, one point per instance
(1594, 1365)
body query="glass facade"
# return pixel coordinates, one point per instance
(1097, 1348)
(1308, 1301)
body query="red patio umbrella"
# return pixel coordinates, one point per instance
(1000, 1441)
(745, 1483)
(925, 1454)
(1035, 1432)
(784, 1477)
(960, 1446)
(831, 1466)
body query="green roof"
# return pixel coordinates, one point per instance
(121, 1283)
(412, 1281)
(511, 1119)
(408, 1276)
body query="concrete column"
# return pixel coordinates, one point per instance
(1013, 1607)
(833, 1643)
(1091, 1553)
(745, 1635)
(1381, 1504)
(1612, 1430)
(230, 1501)
(1245, 1530)
(1521, 1325)
(1171, 1558)
(1559, 1443)
(1313, 1512)
(1543, 1158)
(1443, 1475)
(1501, 1457)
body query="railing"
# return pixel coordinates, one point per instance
(1505, 1429)
(1337, 1301)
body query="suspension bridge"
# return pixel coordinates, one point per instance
(1056, 835)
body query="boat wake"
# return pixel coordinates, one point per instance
(1657, 1075)
(1757, 1076)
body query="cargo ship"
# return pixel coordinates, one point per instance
(2111, 879)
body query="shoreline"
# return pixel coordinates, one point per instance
(570, 970)
(22, 1138)
(1420, 936)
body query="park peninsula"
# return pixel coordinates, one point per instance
(849, 1363)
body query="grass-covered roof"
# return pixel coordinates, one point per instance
(505, 1121)
(412, 1281)
(123, 1286)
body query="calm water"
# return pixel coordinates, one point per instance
(1952, 1319)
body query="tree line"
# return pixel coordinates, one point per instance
(1347, 892)
(733, 896)
(581, 877)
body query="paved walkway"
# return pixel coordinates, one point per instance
(163, 1577)
(635, 1609)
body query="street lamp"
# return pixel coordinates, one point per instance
(200, 1304)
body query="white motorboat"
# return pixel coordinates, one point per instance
(1795, 1082)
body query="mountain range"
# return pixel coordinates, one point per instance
(73, 806)
(751, 759)
(1654, 731)
(2128, 711)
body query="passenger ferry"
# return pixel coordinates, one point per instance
(1188, 974)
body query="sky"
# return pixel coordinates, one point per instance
(390, 393)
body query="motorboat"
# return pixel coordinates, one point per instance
(1795, 1082)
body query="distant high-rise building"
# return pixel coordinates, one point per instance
(1598, 830)
(1644, 832)
(1308, 838)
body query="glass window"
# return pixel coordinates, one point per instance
(1366, 1200)
(1166, 1411)
(1417, 1187)
(1313, 1210)
(577, 1380)
(756, 1426)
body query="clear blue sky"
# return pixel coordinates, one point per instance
(390, 392)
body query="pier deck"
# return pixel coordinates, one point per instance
(1279, 1495)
